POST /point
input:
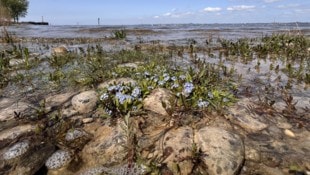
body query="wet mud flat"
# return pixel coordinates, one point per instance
(194, 102)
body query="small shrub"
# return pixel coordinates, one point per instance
(119, 34)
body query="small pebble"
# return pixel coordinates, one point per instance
(289, 133)
(87, 120)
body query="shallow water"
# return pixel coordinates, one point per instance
(162, 32)
(172, 34)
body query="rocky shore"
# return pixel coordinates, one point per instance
(241, 142)
(124, 114)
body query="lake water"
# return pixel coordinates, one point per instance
(162, 32)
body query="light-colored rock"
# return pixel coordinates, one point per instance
(106, 148)
(284, 125)
(61, 50)
(289, 133)
(87, 120)
(180, 143)
(76, 138)
(252, 154)
(117, 81)
(94, 171)
(69, 112)
(85, 102)
(270, 171)
(154, 102)
(57, 100)
(117, 170)
(11, 134)
(21, 108)
(223, 151)
(5, 102)
(240, 115)
(129, 65)
(14, 62)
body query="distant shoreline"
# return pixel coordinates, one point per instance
(34, 23)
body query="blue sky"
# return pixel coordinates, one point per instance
(121, 12)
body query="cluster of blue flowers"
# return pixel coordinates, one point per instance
(123, 97)
(202, 104)
(188, 88)
(123, 94)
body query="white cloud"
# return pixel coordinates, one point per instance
(174, 13)
(271, 1)
(302, 11)
(167, 14)
(288, 6)
(212, 9)
(241, 7)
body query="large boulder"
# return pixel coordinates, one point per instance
(158, 101)
(107, 148)
(221, 151)
(174, 147)
(85, 102)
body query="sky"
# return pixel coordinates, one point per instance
(124, 12)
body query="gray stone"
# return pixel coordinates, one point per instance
(59, 159)
(223, 151)
(85, 102)
(18, 149)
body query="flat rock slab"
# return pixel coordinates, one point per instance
(21, 108)
(11, 134)
(239, 115)
(5, 102)
(223, 152)
(57, 100)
